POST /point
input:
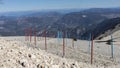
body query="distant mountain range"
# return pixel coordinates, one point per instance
(77, 24)
(102, 10)
(38, 12)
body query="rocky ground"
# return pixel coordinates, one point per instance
(17, 53)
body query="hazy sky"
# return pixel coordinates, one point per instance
(23, 5)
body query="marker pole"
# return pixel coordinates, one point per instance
(63, 43)
(25, 34)
(61, 36)
(35, 35)
(92, 50)
(30, 34)
(89, 43)
(58, 36)
(66, 38)
(45, 39)
(73, 43)
(112, 47)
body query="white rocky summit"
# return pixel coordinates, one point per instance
(16, 55)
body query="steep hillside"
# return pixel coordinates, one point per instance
(116, 37)
(106, 28)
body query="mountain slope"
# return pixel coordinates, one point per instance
(107, 27)
(15, 26)
(77, 23)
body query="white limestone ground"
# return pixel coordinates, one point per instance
(17, 53)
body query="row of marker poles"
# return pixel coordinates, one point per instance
(28, 35)
(112, 47)
(92, 46)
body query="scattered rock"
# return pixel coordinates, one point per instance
(1, 47)
(32, 56)
(23, 62)
(20, 52)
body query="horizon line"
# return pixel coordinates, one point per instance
(57, 9)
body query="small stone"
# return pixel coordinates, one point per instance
(11, 50)
(63, 65)
(38, 66)
(42, 66)
(8, 59)
(4, 60)
(20, 52)
(73, 66)
(31, 56)
(23, 62)
(1, 48)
